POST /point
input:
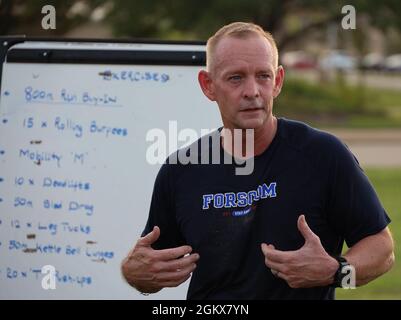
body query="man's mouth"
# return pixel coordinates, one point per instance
(252, 106)
(251, 109)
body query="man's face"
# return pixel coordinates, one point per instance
(243, 81)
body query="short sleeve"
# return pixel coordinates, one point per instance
(162, 212)
(354, 208)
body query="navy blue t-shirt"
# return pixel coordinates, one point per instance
(225, 217)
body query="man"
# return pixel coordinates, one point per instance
(278, 232)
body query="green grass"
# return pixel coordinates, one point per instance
(387, 183)
(337, 104)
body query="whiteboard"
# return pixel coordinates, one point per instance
(75, 180)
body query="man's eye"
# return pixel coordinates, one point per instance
(264, 76)
(234, 78)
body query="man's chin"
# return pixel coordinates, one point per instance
(251, 124)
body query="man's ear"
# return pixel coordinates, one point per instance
(278, 82)
(206, 84)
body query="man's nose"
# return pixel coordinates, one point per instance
(251, 89)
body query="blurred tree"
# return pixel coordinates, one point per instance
(196, 19)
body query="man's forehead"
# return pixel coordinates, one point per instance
(229, 40)
(234, 50)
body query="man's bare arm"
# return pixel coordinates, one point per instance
(372, 256)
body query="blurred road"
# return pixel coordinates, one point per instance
(373, 148)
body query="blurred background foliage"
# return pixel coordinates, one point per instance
(332, 73)
(288, 20)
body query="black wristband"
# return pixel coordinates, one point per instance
(338, 276)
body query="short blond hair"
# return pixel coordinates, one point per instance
(240, 30)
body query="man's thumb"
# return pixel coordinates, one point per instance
(303, 227)
(151, 237)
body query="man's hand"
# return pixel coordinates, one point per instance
(309, 266)
(150, 270)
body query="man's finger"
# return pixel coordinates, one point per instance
(275, 266)
(181, 263)
(303, 227)
(169, 284)
(177, 275)
(275, 255)
(281, 275)
(150, 238)
(173, 253)
(265, 247)
(274, 272)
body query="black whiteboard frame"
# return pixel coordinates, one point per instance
(96, 56)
